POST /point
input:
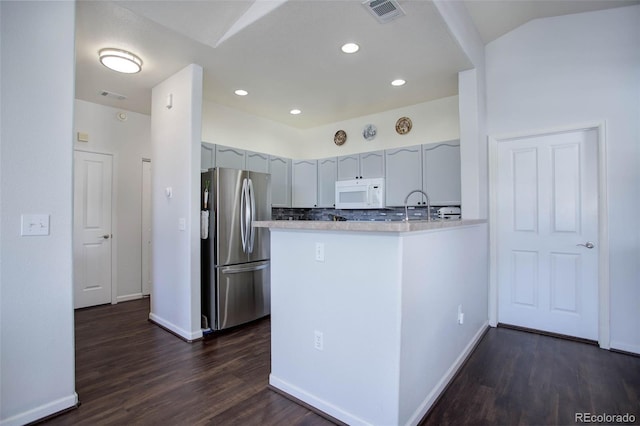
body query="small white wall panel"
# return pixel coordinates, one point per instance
(566, 188)
(564, 281)
(524, 278)
(93, 197)
(525, 190)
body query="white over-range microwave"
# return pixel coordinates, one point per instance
(360, 194)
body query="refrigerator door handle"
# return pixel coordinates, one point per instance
(243, 215)
(238, 269)
(252, 201)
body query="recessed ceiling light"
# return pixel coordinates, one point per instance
(241, 92)
(295, 111)
(350, 48)
(398, 82)
(120, 60)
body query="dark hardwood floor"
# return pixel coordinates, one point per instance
(519, 378)
(131, 372)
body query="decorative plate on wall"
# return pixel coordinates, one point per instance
(403, 125)
(340, 137)
(369, 132)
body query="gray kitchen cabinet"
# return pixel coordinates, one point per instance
(327, 174)
(403, 174)
(372, 164)
(348, 167)
(257, 162)
(232, 158)
(441, 172)
(304, 183)
(280, 169)
(358, 166)
(207, 156)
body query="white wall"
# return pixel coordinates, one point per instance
(571, 70)
(231, 127)
(472, 104)
(175, 149)
(391, 341)
(129, 142)
(434, 121)
(36, 293)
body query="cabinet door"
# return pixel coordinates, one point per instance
(207, 156)
(304, 187)
(348, 167)
(280, 181)
(230, 157)
(441, 172)
(257, 162)
(404, 174)
(372, 164)
(327, 173)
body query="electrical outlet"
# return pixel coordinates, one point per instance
(460, 315)
(318, 340)
(320, 252)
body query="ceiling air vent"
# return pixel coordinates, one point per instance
(384, 10)
(113, 95)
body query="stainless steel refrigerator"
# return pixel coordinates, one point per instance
(235, 256)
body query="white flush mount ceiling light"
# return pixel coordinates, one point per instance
(350, 48)
(295, 111)
(120, 60)
(241, 92)
(398, 82)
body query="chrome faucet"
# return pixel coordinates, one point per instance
(406, 207)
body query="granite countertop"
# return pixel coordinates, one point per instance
(366, 226)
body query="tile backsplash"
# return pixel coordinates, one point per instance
(389, 214)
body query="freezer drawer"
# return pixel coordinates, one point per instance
(242, 293)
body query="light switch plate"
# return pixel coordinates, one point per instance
(34, 224)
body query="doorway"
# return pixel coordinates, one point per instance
(548, 251)
(92, 232)
(146, 227)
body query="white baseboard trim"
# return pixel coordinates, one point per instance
(447, 377)
(625, 347)
(180, 332)
(320, 404)
(41, 411)
(127, 297)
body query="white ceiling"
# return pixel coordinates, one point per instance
(287, 53)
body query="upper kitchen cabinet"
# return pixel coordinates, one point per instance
(304, 187)
(441, 172)
(207, 156)
(372, 164)
(404, 174)
(359, 166)
(348, 167)
(257, 162)
(280, 181)
(327, 174)
(232, 158)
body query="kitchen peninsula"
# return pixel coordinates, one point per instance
(370, 320)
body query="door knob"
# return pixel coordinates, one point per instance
(588, 245)
(106, 236)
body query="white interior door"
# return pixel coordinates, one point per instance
(547, 233)
(92, 229)
(146, 227)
